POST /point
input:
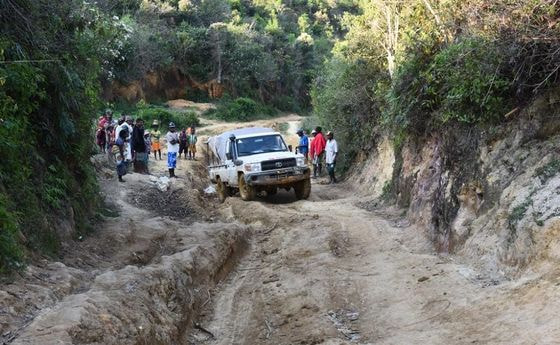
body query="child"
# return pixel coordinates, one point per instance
(156, 134)
(192, 144)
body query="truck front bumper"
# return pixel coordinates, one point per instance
(278, 177)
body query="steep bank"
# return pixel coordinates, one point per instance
(489, 196)
(163, 84)
(139, 279)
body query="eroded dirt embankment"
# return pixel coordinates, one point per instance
(336, 269)
(491, 196)
(140, 279)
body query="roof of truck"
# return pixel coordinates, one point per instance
(218, 143)
(249, 131)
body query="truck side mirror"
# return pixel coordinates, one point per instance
(238, 162)
(290, 148)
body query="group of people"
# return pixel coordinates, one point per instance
(126, 141)
(319, 150)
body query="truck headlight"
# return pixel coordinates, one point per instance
(253, 167)
(300, 162)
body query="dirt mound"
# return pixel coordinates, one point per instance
(173, 204)
(182, 104)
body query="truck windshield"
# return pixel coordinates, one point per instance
(262, 144)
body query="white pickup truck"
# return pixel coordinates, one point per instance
(253, 160)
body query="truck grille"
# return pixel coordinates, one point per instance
(278, 164)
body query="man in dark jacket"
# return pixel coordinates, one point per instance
(139, 148)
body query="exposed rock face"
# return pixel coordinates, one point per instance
(489, 196)
(161, 85)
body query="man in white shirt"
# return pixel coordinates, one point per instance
(331, 150)
(172, 139)
(128, 126)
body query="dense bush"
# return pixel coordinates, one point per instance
(446, 64)
(265, 50)
(241, 109)
(149, 113)
(344, 101)
(463, 82)
(49, 86)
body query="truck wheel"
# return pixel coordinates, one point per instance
(303, 189)
(246, 191)
(271, 191)
(221, 189)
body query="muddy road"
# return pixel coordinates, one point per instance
(178, 267)
(325, 271)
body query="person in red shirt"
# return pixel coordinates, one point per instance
(318, 151)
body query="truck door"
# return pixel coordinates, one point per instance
(231, 168)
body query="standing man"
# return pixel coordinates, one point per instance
(192, 144)
(156, 134)
(331, 150)
(172, 138)
(318, 151)
(122, 125)
(303, 147)
(139, 147)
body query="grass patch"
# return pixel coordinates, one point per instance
(518, 213)
(310, 122)
(162, 113)
(283, 127)
(548, 170)
(240, 109)
(387, 191)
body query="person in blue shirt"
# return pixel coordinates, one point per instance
(303, 147)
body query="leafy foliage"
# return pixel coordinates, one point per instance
(149, 113)
(241, 109)
(49, 70)
(266, 50)
(414, 67)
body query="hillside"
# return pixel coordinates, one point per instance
(443, 228)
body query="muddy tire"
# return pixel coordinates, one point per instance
(303, 189)
(246, 191)
(221, 190)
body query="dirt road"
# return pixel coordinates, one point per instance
(177, 267)
(325, 271)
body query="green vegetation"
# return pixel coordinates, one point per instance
(367, 67)
(49, 68)
(438, 68)
(150, 112)
(268, 51)
(548, 170)
(309, 123)
(283, 127)
(387, 191)
(518, 213)
(54, 69)
(240, 109)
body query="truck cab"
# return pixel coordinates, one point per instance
(255, 160)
